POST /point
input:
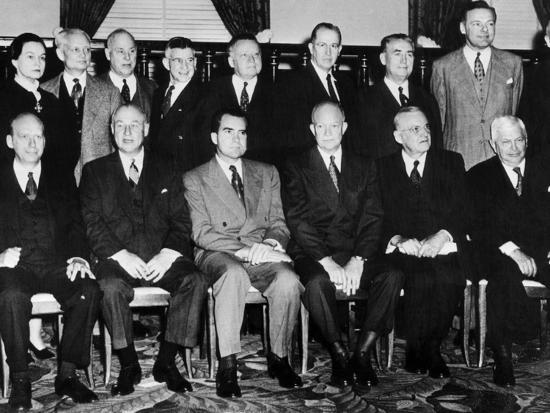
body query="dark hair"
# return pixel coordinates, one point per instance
(328, 26)
(395, 36)
(134, 106)
(477, 5)
(16, 46)
(241, 36)
(23, 115)
(179, 43)
(217, 118)
(110, 39)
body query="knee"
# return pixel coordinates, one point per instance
(112, 288)
(195, 280)
(90, 289)
(13, 297)
(287, 284)
(320, 284)
(395, 279)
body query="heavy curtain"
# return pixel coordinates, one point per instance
(243, 15)
(542, 7)
(84, 14)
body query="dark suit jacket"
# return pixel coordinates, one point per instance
(144, 92)
(67, 230)
(324, 222)
(378, 107)
(296, 97)
(175, 137)
(106, 201)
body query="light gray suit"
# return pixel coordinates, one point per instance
(466, 115)
(222, 226)
(101, 99)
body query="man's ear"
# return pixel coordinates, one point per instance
(165, 63)
(9, 141)
(146, 128)
(310, 47)
(231, 61)
(60, 54)
(107, 54)
(462, 28)
(214, 138)
(547, 40)
(492, 143)
(397, 137)
(344, 127)
(312, 128)
(383, 58)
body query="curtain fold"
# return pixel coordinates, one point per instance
(542, 8)
(84, 14)
(243, 15)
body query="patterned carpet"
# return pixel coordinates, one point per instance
(469, 389)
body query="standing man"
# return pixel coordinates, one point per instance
(86, 102)
(240, 235)
(43, 248)
(423, 234)
(511, 198)
(332, 205)
(475, 84)
(380, 103)
(177, 108)
(121, 52)
(138, 226)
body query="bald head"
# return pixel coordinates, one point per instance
(328, 124)
(26, 138)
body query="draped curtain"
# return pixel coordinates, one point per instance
(437, 19)
(240, 16)
(84, 14)
(542, 7)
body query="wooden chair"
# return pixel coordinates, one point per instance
(42, 304)
(534, 289)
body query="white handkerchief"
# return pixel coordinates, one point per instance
(164, 190)
(510, 81)
(447, 249)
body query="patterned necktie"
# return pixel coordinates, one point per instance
(133, 174)
(237, 183)
(404, 100)
(125, 92)
(479, 72)
(167, 101)
(245, 100)
(334, 173)
(76, 93)
(31, 189)
(415, 175)
(331, 91)
(519, 185)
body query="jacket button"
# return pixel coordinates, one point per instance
(180, 138)
(238, 238)
(224, 224)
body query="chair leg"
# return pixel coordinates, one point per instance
(108, 354)
(543, 324)
(378, 352)
(466, 323)
(211, 334)
(351, 324)
(59, 336)
(482, 322)
(265, 319)
(188, 362)
(304, 315)
(5, 370)
(391, 339)
(90, 369)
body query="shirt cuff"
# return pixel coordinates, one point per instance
(448, 234)
(508, 247)
(79, 259)
(117, 255)
(172, 254)
(275, 244)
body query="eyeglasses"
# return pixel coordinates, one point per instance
(417, 130)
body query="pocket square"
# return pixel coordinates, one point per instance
(164, 191)
(548, 189)
(510, 81)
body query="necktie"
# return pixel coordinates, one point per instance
(404, 100)
(519, 185)
(133, 174)
(331, 90)
(76, 93)
(244, 98)
(31, 189)
(415, 175)
(125, 92)
(237, 183)
(334, 173)
(167, 101)
(479, 72)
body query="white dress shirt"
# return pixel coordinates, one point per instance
(127, 161)
(409, 163)
(471, 54)
(394, 88)
(225, 168)
(69, 83)
(118, 81)
(22, 173)
(337, 157)
(508, 247)
(323, 76)
(178, 88)
(238, 85)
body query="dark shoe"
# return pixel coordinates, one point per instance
(226, 382)
(140, 331)
(503, 370)
(73, 388)
(129, 376)
(20, 396)
(43, 354)
(279, 367)
(364, 373)
(170, 375)
(436, 365)
(415, 360)
(342, 373)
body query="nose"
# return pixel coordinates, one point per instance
(127, 129)
(126, 55)
(403, 59)
(32, 142)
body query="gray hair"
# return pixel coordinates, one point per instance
(501, 122)
(61, 36)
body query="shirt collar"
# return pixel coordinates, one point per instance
(127, 161)
(22, 173)
(394, 88)
(225, 167)
(409, 163)
(471, 54)
(70, 83)
(178, 88)
(238, 85)
(118, 81)
(337, 157)
(510, 171)
(29, 85)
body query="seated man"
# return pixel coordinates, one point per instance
(240, 234)
(138, 226)
(336, 220)
(511, 206)
(423, 199)
(43, 243)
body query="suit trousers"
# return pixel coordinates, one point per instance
(185, 283)
(79, 301)
(231, 280)
(381, 282)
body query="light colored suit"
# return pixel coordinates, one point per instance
(221, 226)
(466, 116)
(101, 99)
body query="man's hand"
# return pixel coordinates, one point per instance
(78, 265)
(408, 246)
(159, 264)
(336, 273)
(354, 271)
(10, 257)
(433, 244)
(272, 255)
(131, 263)
(258, 253)
(525, 263)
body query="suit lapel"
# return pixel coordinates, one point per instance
(389, 100)
(120, 181)
(148, 182)
(46, 193)
(465, 79)
(252, 182)
(496, 75)
(228, 94)
(319, 91)
(92, 96)
(320, 179)
(221, 186)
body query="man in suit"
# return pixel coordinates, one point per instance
(177, 108)
(87, 104)
(380, 102)
(240, 235)
(317, 82)
(424, 214)
(510, 228)
(247, 90)
(475, 84)
(138, 226)
(121, 52)
(43, 251)
(332, 204)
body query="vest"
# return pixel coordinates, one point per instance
(73, 119)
